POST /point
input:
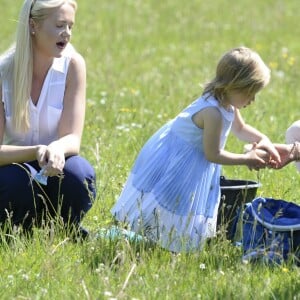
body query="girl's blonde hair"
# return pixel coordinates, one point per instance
(240, 69)
(17, 62)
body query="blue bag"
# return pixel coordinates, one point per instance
(271, 231)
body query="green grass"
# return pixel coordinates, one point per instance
(146, 61)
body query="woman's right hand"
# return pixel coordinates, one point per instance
(41, 155)
(52, 158)
(288, 153)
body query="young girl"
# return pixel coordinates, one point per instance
(173, 191)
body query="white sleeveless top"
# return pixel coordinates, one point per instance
(45, 116)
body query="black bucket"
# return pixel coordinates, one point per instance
(234, 194)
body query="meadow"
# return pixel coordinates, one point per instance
(146, 61)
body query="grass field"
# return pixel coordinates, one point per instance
(146, 61)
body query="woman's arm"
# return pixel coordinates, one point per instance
(73, 115)
(15, 154)
(72, 120)
(8, 153)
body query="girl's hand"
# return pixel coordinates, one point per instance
(51, 157)
(267, 145)
(257, 160)
(270, 163)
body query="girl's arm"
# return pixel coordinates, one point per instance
(247, 133)
(210, 120)
(244, 131)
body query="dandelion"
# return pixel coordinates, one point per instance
(284, 52)
(273, 65)
(285, 270)
(126, 109)
(291, 61)
(135, 92)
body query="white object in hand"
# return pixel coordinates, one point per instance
(40, 177)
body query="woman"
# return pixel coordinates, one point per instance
(293, 137)
(43, 81)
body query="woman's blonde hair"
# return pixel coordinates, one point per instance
(17, 62)
(240, 69)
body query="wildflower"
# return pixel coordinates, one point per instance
(135, 92)
(273, 65)
(291, 61)
(25, 277)
(10, 277)
(126, 109)
(202, 266)
(91, 102)
(285, 270)
(279, 74)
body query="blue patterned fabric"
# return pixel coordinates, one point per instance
(271, 230)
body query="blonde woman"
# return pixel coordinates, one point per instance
(173, 191)
(42, 90)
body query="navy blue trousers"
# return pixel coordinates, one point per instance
(25, 202)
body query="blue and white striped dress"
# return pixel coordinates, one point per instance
(172, 193)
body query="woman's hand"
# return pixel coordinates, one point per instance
(288, 153)
(52, 158)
